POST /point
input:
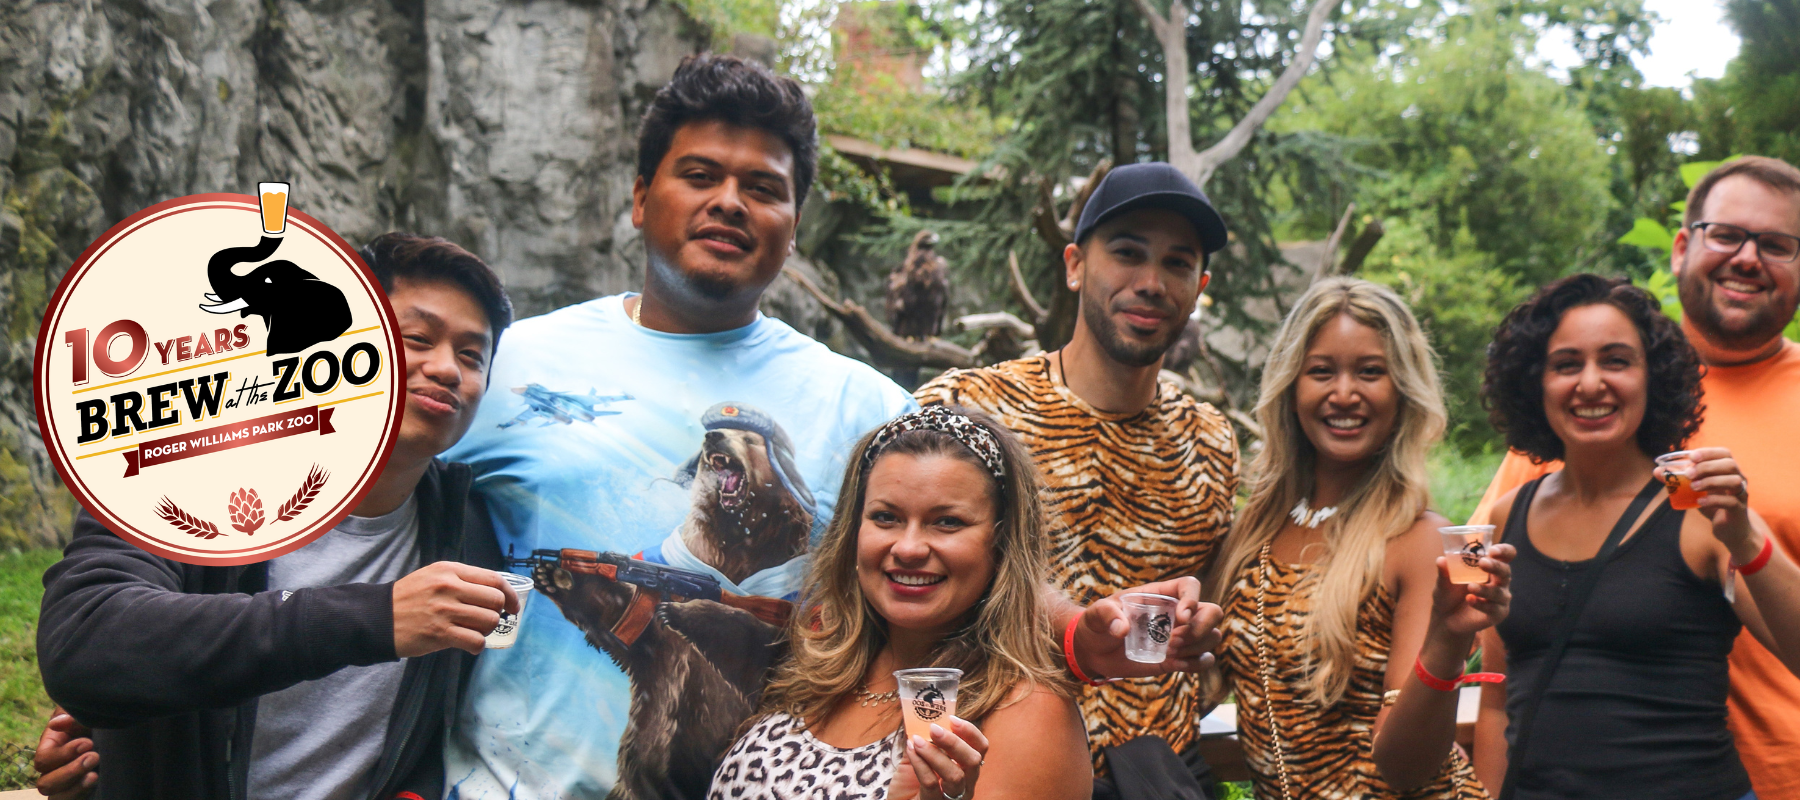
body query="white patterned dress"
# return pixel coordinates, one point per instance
(775, 759)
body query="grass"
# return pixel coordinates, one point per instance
(1235, 791)
(23, 705)
(1459, 479)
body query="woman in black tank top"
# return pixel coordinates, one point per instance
(1616, 665)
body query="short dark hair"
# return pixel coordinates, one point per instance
(434, 258)
(1771, 172)
(1513, 387)
(735, 91)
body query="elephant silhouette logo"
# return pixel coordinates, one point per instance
(298, 310)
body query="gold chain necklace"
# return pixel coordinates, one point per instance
(1262, 653)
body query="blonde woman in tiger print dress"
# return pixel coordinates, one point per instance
(1331, 580)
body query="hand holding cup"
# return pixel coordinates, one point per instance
(1709, 479)
(1462, 607)
(449, 604)
(1100, 636)
(944, 766)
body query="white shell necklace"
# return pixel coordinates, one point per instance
(1304, 515)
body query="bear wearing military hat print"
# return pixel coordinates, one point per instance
(750, 509)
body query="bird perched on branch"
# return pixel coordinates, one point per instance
(918, 290)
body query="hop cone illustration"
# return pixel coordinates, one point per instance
(246, 510)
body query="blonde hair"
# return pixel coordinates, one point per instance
(1382, 506)
(1008, 641)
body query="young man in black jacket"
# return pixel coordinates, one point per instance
(332, 672)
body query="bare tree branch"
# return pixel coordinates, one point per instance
(1152, 16)
(1043, 218)
(1250, 424)
(884, 346)
(1171, 34)
(1023, 292)
(1361, 247)
(1234, 142)
(1326, 267)
(1071, 219)
(997, 319)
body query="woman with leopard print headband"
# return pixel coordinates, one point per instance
(936, 557)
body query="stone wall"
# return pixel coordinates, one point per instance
(506, 126)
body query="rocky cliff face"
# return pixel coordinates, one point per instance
(508, 127)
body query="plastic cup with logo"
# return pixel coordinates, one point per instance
(1464, 546)
(1152, 618)
(274, 200)
(927, 697)
(1678, 475)
(507, 631)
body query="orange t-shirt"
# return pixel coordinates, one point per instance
(1755, 411)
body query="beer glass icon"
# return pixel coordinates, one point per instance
(274, 200)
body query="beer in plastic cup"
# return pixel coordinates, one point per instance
(1464, 545)
(1152, 618)
(927, 696)
(273, 197)
(508, 630)
(1678, 475)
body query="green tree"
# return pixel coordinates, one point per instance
(1487, 174)
(1755, 108)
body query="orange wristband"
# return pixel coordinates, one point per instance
(1069, 654)
(1761, 560)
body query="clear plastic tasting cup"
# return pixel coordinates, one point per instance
(1152, 618)
(1464, 546)
(507, 631)
(927, 696)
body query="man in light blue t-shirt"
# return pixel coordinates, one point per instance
(670, 455)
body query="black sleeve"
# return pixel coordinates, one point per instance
(120, 642)
(481, 547)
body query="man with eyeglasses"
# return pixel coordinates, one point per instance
(1737, 264)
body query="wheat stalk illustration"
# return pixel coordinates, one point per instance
(246, 510)
(309, 489)
(185, 522)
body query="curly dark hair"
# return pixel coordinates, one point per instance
(434, 258)
(738, 92)
(1513, 387)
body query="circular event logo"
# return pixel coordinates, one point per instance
(215, 378)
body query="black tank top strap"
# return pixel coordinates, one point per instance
(1515, 534)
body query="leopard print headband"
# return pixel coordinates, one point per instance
(978, 439)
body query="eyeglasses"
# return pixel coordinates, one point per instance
(1774, 247)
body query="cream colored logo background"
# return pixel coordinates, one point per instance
(156, 274)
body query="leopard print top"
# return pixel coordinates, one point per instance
(1328, 750)
(778, 759)
(1131, 499)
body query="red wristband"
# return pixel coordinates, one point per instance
(1069, 654)
(1442, 685)
(1761, 560)
(1431, 680)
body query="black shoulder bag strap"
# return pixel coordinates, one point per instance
(1583, 588)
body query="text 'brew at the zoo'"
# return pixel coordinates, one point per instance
(203, 396)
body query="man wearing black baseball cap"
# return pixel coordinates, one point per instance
(1141, 475)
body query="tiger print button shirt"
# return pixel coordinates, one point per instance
(1132, 498)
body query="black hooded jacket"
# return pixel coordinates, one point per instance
(165, 660)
